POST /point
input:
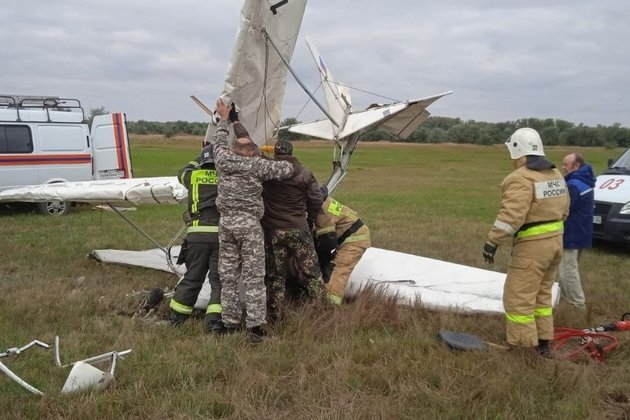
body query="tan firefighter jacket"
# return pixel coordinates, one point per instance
(336, 217)
(534, 205)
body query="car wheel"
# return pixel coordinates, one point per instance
(54, 208)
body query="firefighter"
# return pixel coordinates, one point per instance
(342, 238)
(200, 250)
(534, 204)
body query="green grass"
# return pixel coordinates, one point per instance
(369, 359)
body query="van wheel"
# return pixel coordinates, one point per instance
(54, 208)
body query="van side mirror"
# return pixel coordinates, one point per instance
(610, 162)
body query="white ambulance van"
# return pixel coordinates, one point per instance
(611, 219)
(47, 139)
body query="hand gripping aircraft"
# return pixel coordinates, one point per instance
(255, 82)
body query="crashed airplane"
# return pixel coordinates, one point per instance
(255, 81)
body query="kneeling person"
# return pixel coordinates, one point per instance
(342, 238)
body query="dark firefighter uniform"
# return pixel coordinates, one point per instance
(533, 207)
(342, 238)
(201, 246)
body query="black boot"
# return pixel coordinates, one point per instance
(176, 319)
(256, 334)
(543, 349)
(214, 325)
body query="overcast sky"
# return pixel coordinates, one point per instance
(504, 60)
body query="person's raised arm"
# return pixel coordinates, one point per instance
(220, 141)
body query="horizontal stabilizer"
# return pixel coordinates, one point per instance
(400, 119)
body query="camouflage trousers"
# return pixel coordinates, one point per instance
(242, 260)
(290, 252)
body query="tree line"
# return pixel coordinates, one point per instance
(442, 130)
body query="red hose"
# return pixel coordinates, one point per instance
(594, 344)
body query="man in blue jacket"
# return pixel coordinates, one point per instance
(578, 228)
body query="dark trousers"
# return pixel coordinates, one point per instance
(202, 259)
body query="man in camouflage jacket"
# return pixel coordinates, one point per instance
(241, 240)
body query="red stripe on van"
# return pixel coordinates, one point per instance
(22, 160)
(121, 150)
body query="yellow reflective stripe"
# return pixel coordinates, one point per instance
(321, 231)
(357, 238)
(200, 229)
(545, 311)
(335, 207)
(195, 193)
(540, 229)
(214, 308)
(334, 299)
(520, 319)
(180, 308)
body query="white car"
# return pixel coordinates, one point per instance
(611, 219)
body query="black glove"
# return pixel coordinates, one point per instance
(233, 115)
(327, 271)
(183, 253)
(488, 252)
(326, 247)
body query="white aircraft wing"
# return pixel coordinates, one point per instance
(256, 75)
(400, 119)
(154, 190)
(411, 279)
(432, 283)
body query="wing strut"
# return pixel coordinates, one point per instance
(340, 166)
(167, 250)
(297, 79)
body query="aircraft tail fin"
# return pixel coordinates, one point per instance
(338, 98)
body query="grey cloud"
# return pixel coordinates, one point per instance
(505, 60)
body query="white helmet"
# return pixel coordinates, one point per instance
(525, 141)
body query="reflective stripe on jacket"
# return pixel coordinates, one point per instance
(336, 217)
(530, 197)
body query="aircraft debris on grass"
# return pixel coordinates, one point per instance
(82, 377)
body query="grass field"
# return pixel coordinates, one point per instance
(369, 359)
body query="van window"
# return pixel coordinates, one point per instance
(61, 138)
(15, 139)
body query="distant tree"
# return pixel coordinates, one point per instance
(564, 125)
(434, 130)
(101, 110)
(550, 135)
